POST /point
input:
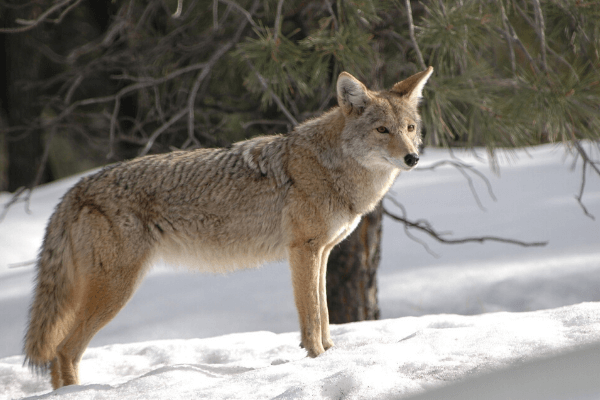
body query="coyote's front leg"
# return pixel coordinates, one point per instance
(325, 334)
(305, 263)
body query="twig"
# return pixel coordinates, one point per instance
(177, 13)
(243, 11)
(30, 24)
(111, 35)
(14, 199)
(38, 177)
(541, 28)
(215, 10)
(411, 31)
(143, 83)
(515, 38)
(72, 88)
(511, 49)
(276, 99)
(461, 167)
(64, 13)
(199, 79)
(586, 161)
(425, 227)
(248, 124)
(581, 190)
(562, 60)
(21, 264)
(278, 21)
(208, 67)
(333, 17)
(409, 224)
(161, 129)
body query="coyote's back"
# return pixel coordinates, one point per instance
(271, 197)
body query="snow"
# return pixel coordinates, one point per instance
(502, 321)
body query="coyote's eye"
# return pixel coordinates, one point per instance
(383, 129)
(411, 128)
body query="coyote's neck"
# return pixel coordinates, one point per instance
(361, 185)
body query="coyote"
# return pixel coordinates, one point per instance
(289, 196)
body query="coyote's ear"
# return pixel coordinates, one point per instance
(353, 96)
(412, 87)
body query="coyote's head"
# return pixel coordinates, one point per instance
(383, 128)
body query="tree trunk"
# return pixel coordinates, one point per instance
(352, 273)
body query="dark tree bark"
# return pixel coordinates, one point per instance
(352, 273)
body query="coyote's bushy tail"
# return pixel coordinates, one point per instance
(50, 310)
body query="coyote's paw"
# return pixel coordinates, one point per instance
(314, 351)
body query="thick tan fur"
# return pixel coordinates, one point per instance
(294, 196)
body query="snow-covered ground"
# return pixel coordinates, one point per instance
(160, 345)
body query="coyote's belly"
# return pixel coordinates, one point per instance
(224, 242)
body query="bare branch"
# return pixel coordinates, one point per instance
(21, 264)
(276, 99)
(278, 20)
(110, 36)
(30, 24)
(161, 129)
(581, 190)
(203, 74)
(26, 191)
(65, 12)
(333, 17)
(16, 197)
(511, 49)
(243, 11)
(248, 124)
(562, 60)
(215, 14)
(72, 88)
(462, 168)
(540, 29)
(407, 225)
(411, 31)
(208, 67)
(425, 227)
(512, 34)
(177, 12)
(586, 161)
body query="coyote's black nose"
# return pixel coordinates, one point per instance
(411, 159)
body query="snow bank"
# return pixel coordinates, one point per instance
(386, 359)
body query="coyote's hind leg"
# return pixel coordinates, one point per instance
(104, 298)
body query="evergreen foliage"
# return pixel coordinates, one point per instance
(136, 80)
